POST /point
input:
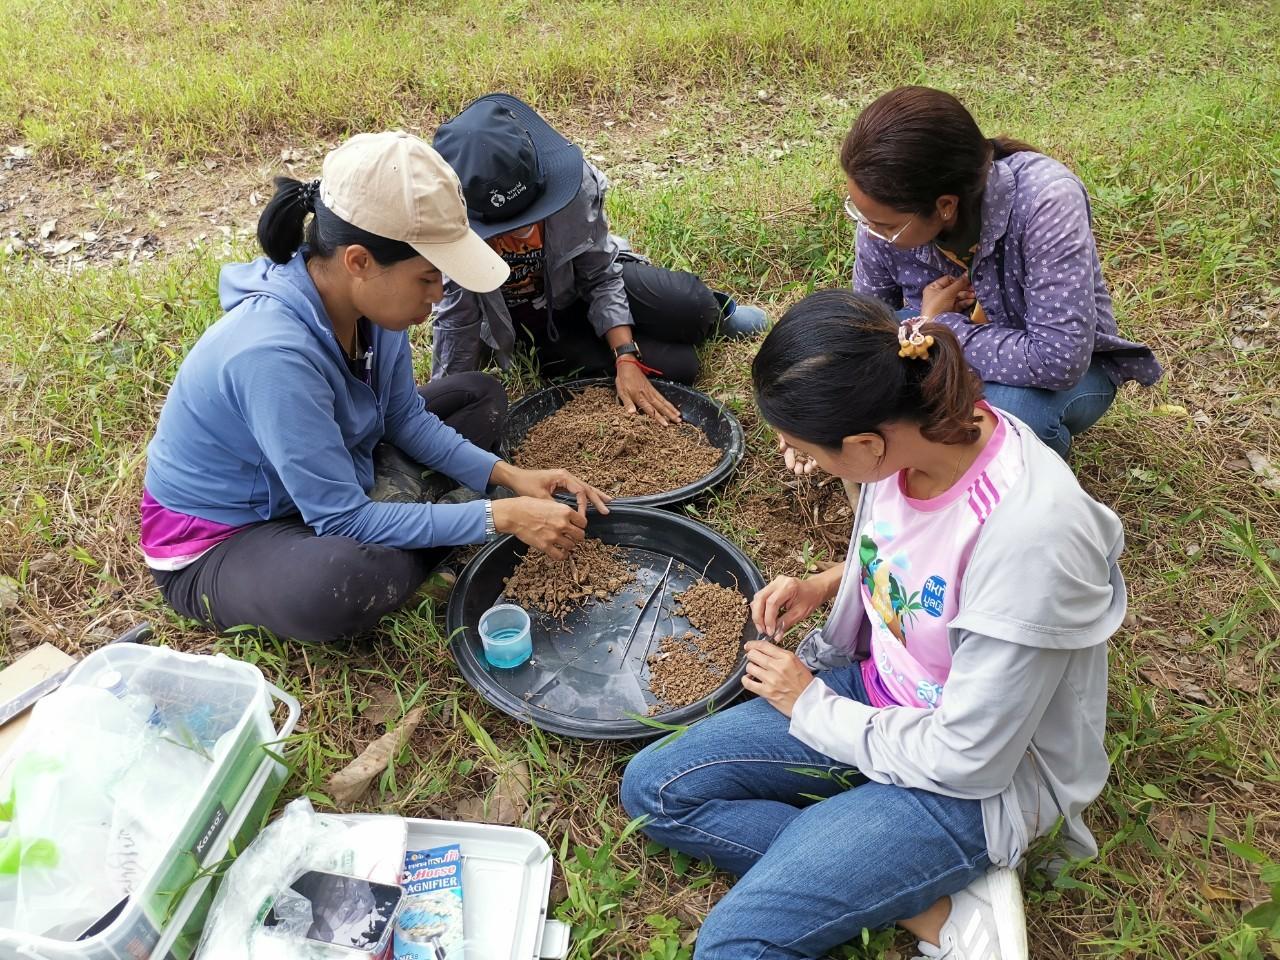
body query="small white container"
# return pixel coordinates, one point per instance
(506, 633)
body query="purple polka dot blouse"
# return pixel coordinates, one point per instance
(1037, 276)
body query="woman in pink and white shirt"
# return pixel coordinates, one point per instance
(950, 710)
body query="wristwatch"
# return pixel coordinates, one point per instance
(627, 350)
(490, 530)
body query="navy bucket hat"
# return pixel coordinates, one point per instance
(514, 168)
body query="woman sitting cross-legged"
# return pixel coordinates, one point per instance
(959, 703)
(260, 505)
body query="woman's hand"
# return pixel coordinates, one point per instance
(785, 602)
(945, 295)
(544, 483)
(550, 526)
(796, 461)
(636, 393)
(775, 674)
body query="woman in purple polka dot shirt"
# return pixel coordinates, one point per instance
(993, 239)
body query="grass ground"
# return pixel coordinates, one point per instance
(164, 121)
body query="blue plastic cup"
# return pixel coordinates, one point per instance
(506, 635)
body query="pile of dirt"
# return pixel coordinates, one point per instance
(595, 570)
(796, 531)
(623, 454)
(684, 670)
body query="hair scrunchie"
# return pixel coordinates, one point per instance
(912, 343)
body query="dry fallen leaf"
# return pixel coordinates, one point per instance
(10, 593)
(507, 802)
(1240, 677)
(1263, 468)
(351, 782)
(1210, 892)
(383, 705)
(559, 892)
(510, 797)
(470, 810)
(1175, 825)
(47, 228)
(1169, 679)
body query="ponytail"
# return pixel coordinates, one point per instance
(280, 228)
(283, 227)
(949, 390)
(830, 369)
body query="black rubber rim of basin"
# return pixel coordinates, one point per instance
(712, 417)
(665, 532)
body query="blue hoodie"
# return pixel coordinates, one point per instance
(265, 420)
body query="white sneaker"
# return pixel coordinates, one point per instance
(987, 921)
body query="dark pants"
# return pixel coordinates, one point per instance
(280, 576)
(673, 313)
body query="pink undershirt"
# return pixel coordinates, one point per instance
(172, 540)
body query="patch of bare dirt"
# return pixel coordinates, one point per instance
(126, 213)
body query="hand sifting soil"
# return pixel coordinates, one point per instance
(594, 570)
(686, 670)
(624, 454)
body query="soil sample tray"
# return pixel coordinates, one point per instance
(582, 679)
(600, 456)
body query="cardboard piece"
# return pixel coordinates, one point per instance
(23, 674)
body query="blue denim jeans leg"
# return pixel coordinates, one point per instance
(821, 851)
(1057, 416)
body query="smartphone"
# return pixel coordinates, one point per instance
(347, 911)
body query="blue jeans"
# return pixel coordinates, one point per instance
(1057, 415)
(821, 851)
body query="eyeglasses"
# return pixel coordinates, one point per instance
(854, 214)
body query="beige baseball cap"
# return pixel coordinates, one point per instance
(396, 186)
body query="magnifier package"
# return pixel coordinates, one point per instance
(430, 922)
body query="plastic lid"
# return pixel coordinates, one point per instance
(111, 681)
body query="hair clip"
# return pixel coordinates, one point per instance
(912, 344)
(307, 194)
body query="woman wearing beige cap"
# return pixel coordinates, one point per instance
(257, 507)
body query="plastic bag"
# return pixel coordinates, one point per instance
(91, 797)
(297, 841)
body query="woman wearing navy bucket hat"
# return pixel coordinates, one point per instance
(265, 502)
(576, 294)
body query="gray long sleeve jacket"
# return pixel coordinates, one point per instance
(1021, 725)
(581, 263)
